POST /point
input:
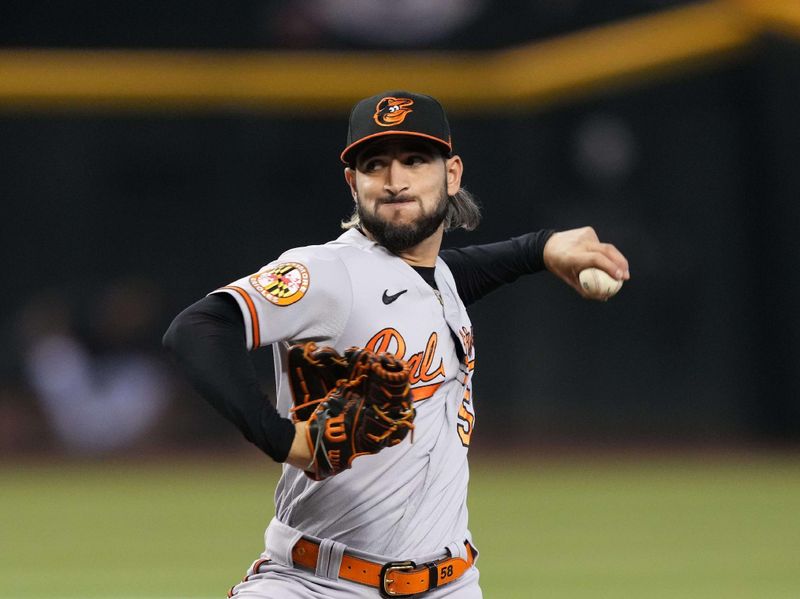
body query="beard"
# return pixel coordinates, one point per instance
(399, 237)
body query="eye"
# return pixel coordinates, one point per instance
(371, 165)
(415, 159)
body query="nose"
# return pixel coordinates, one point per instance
(396, 180)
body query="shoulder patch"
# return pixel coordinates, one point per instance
(283, 284)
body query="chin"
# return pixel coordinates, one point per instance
(400, 213)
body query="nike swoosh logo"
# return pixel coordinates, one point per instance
(388, 299)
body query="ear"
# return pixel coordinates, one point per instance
(454, 168)
(350, 177)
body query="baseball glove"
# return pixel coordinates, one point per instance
(356, 404)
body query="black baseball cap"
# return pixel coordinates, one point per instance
(397, 113)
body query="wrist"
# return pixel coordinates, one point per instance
(547, 249)
(300, 452)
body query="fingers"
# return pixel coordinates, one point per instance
(604, 256)
(603, 262)
(611, 260)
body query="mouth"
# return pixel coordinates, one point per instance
(398, 200)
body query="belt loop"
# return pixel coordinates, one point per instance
(337, 553)
(457, 550)
(433, 575)
(329, 559)
(279, 540)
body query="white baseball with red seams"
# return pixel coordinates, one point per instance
(599, 284)
(408, 501)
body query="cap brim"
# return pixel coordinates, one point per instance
(346, 155)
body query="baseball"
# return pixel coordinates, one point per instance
(598, 284)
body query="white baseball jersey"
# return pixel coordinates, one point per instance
(410, 499)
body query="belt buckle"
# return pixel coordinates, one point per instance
(387, 569)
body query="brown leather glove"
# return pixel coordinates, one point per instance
(356, 404)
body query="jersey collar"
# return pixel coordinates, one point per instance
(357, 238)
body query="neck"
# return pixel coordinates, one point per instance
(422, 254)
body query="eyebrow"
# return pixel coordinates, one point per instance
(406, 146)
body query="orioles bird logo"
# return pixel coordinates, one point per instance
(392, 111)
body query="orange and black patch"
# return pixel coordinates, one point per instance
(392, 111)
(283, 284)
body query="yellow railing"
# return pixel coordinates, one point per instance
(525, 77)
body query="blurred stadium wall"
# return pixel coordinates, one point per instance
(175, 146)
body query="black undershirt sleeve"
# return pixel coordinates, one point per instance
(207, 341)
(479, 269)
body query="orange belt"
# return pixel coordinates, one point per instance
(393, 579)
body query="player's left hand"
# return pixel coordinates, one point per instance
(567, 253)
(346, 406)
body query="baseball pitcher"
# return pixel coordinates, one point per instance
(374, 358)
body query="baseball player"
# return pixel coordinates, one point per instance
(392, 521)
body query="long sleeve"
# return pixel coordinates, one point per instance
(480, 269)
(207, 341)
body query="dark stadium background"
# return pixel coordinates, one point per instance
(700, 347)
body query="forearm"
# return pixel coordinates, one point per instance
(480, 269)
(207, 342)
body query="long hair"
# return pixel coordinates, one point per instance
(463, 212)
